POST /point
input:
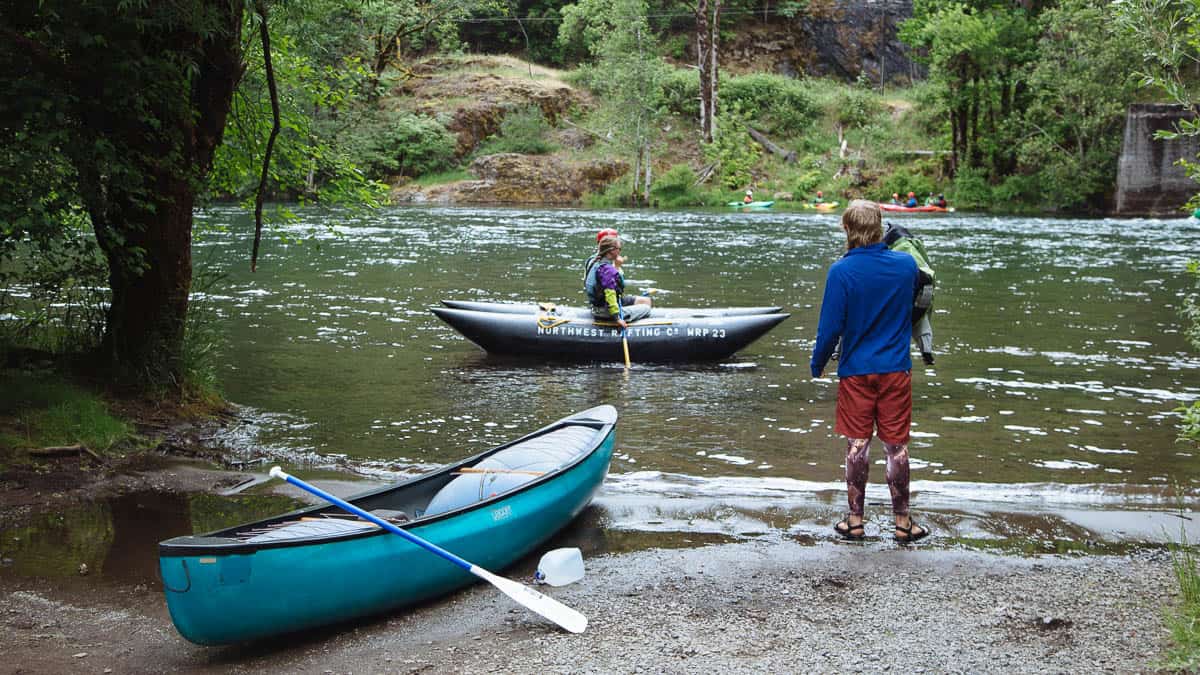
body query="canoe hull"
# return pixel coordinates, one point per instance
(220, 598)
(654, 339)
(751, 205)
(583, 312)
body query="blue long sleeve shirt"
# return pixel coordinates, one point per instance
(868, 306)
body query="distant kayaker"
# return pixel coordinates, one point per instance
(940, 201)
(605, 287)
(749, 197)
(912, 200)
(867, 306)
(820, 198)
(896, 198)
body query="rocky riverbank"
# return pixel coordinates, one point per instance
(748, 607)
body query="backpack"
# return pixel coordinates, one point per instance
(898, 238)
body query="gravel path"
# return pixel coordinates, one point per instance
(746, 607)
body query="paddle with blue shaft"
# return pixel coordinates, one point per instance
(544, 605)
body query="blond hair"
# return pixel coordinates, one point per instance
(863, 222)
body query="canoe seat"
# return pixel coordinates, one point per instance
(392, 515)
(545, 453)
(332, 524)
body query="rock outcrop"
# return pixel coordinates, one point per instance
(471, 96)
(833, 38)
(1150, 181)
(510, 178)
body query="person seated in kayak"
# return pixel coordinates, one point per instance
(940, 201)
(749, 197)
(896, 198)
(912, 200)
(605, 287)
(929, 200)
(819, 199)
(898, 238)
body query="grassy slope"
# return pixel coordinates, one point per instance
(873, 149)
(41, 410)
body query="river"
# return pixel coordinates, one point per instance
(1060, 358)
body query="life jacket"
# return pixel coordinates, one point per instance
(591, 281)
(898, 238)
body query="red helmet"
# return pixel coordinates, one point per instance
(606, 232)
(819, 194)
(912, 194)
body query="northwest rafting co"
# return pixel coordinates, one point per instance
(634, 331)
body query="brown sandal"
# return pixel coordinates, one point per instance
(910, 536)
(847, 531)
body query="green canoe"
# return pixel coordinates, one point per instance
(317, 566)
(751, 205)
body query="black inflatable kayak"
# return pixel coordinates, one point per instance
(540, 308)
(677, 336)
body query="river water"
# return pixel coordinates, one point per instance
(1060, 359)
(1047, 424)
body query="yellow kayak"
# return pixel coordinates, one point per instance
(823, 206)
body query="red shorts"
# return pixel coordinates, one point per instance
(867, 402)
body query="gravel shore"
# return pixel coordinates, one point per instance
(761, 606)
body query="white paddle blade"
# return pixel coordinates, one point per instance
(542, 604)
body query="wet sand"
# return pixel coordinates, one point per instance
(761, 606)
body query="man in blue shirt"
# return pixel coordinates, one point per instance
(868, 307)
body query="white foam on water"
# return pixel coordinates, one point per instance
(661, 484)
(1063, 464)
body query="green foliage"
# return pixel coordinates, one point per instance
(204, 339)
(403, 143)
(677, 188)
(732, 149)
(1039, 92)
(316, 154)
(676, 47)
(49, 412)
(971, 190)
(443, 177)
(856, 107)
(681, 92)
(1189, 428)
(616, 194)
(54, 294)
(1017, 192)
(1183, 620)
(630, 77)
(1082, 86)
(781, 104)
(903, 181)
(524, 131)
(1166, 34)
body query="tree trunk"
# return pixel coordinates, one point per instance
(702, 60)
(144, 331)
(714, 36)
(646, 184)
(144, 224)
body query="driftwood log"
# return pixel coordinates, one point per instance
(761, 138)
(66, 451)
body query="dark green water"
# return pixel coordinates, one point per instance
(1060, 356)
(1059, 348)
(1046, 426)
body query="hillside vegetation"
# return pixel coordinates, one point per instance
(1021, 110)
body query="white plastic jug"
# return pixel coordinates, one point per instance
(560, 567)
